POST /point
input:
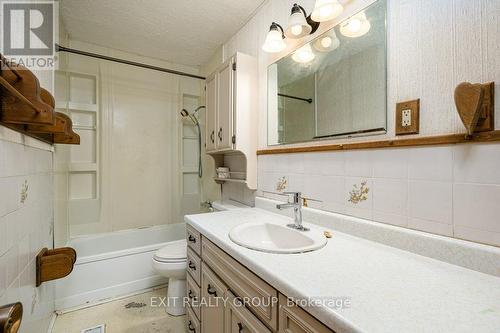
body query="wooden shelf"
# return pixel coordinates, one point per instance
(492, 136)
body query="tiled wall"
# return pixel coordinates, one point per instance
(447, 190)
(26, 226)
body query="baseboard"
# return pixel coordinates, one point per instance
(103, 295)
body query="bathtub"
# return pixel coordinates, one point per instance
(114, 264)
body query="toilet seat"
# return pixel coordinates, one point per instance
(174, 252)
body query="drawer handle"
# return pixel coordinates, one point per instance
(212, 137)
(192, 239)
(240, 327)
(190, 295)
(191, 265)
(190, 327)
(220, 134)
(210, 292)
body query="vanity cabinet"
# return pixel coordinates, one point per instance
(231, 112)
(234, 299)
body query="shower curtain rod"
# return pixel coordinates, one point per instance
(60, 48)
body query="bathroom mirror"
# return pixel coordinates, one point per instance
(333, 86)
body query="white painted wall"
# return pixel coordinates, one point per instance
(141, 144)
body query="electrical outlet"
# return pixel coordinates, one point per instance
(406, 118)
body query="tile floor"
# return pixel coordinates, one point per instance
(120, 318)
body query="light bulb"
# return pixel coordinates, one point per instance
(326, 42)
(356, 26)
(304, 54)
(326, 10)
(296, 30)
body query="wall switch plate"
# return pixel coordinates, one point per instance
(408, 117)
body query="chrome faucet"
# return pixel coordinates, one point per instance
(297, 209)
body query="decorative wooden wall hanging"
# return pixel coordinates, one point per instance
(54, 264)
(475, 105)
(29, 109)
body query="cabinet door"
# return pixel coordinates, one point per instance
(213, 291)
(225, 105)
(211, 112)
(295, 320)
(239, 319)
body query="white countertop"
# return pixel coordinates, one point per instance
(389, 290)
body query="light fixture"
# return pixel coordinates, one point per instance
(304, 54)
(328, 42)
(326, 10)
(297, 23)
(356, 26)
(274, 40)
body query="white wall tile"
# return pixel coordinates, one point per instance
(362, 209)
(477, 206)
(399, 220)
(476, 235)
(390, 196)
(358, 163)
(390, 163)
(477, 163)
(431, 226)
(325, 163)
(431, 163)
(430, 201)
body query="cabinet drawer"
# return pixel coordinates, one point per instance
(213, 291)
(193, 294)
(194, 266)
(193, 238)
(238, 319)
(193, 324)
(295, 320)
(243, 283)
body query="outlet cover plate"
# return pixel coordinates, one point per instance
(408, 117)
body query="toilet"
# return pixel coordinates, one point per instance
(171, 262)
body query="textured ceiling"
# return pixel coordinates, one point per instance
(181, 31)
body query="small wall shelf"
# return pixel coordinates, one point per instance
(229, 180)
(29, 109)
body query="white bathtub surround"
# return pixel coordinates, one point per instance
(114, 264)
(389, 290)
(446, 190)
(26, 225)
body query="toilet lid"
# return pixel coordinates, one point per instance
(173, 251)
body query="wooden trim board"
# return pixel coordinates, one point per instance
(492, 136)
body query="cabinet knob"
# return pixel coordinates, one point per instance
(192, 239)
(192, 266)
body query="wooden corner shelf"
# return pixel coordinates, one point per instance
(27, 108)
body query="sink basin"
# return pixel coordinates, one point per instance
(276, 238)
